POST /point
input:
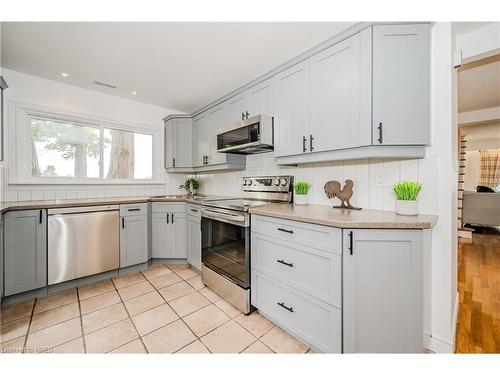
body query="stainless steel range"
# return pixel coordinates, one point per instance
(225, 229)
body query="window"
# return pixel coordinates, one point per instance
(63, 149)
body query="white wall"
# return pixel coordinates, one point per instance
(41, 92)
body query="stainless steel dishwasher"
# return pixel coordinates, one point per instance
(82, 241)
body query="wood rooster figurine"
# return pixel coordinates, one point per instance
(332, 190)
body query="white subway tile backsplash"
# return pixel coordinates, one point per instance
(61, 194)
(37, 195)
(49, 195)
(24, 195)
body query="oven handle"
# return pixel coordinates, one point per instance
(236, 219)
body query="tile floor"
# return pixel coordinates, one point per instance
(164, 309)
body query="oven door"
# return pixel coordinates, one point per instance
(226, 244)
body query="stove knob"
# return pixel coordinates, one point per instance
(277, 182)
(244, 182)
(249, 182)
(283, 181)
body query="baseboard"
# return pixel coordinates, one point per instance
(454, 322)
(437, 345)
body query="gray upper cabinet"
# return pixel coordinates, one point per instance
(291, 122)
(201, 140)
(133, 234)
(25, 251)
(216, 120)
(382, 291)
(366, 96)
(236, 108)
(401, 84)
(336, 97)
(261, 99)
(178, 153)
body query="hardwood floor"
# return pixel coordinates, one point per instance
(478, 328)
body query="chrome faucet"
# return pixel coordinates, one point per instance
(188, 190)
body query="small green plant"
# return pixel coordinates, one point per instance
(192, 183)
(301, 187)
(407, 190)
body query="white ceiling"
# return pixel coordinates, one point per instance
(460, 28)
(181, 66)
(479, 88)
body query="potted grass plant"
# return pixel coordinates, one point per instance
(301, 189)
(406, 193)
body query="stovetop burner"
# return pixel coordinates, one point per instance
(258, 191)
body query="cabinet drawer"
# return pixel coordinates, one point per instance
(315, 272)
(194, 210)
(133, 209)
(316, 323)
(311, 235)
(168, 207)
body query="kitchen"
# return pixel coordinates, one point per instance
(190, 235)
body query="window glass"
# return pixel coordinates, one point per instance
(74, 150)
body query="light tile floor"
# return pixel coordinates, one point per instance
(164, 309)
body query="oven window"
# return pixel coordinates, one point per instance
(238, 136)
(225, 250)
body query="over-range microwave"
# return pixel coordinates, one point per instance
(251, 136)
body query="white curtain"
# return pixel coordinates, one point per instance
(490, 168)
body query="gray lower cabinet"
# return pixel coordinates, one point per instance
(169, 230)
(1, 259)
(296, 271)
(382, 291)
(133, 235)
(194, 237)
(25, 251)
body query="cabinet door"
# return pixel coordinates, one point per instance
(1, 259)
(194, 242)
(169, 144)
(160, 235)
(178, 233)
(336, 96)
(216, 120)
(201, 136)
(260, 99)
(133, 240)
(235, 107)
(25, 251)
(182, 145)
(382, 291)
(401, 91)
(291, 121)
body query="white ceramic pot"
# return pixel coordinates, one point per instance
(300, 200)
(408, 208)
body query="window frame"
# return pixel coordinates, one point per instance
(20, 151)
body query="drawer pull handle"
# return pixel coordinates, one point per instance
(285, 263)
(285, 230)
(133, 209)
(282, 304)
(193, 210)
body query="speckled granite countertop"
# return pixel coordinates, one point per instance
(36, 205)
(341, 218)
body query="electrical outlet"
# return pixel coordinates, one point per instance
(380, 181)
